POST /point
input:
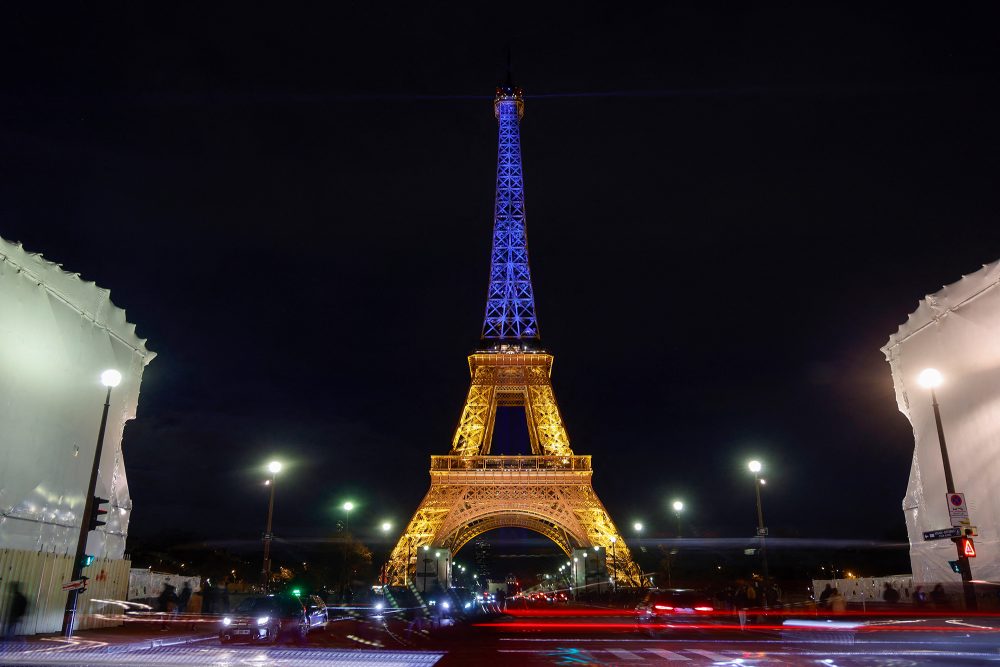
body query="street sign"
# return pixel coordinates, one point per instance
(762, 532)
(958, 511)
(943, 533)
(75, 585)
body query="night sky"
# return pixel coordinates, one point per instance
(729, 212)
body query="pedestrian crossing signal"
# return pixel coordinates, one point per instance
(968, 548)
(955, 567)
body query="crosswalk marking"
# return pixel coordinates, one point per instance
(667, 655)
(710, 655)
(623, 654)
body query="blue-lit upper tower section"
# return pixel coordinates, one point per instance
(510, 301)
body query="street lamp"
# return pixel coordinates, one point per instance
(931, 378)
(348, 506)
(678, 507)
(386, 527)
(274, 467)
(110, 379)
(755, 467)
(614, 564)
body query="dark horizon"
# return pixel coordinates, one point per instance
(728, 213)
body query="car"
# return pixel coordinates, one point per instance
(662, 609)
(267, 619)
(316, 610)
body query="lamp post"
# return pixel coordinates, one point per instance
(931, 378)
(678, 506)
(274, 467)
(110, 379)
(386, 527)
(348, 506)
(424, 573)
(755, 467)
(614, 565)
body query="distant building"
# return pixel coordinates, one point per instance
(57, 334)
(957, 331)
(482, 556)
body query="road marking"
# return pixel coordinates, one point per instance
(716, 657)
(667, 655)
(623, 654)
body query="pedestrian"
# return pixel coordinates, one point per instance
(938, 597)
(890, 594)
(18, 608)
(825, 595)
(920, 597)
(838, 603)
(183, 598)
(166, 600)
(208, 597)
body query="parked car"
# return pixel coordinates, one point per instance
(662, 609)
(267, 619)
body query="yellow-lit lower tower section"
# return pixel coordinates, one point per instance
(549, 492)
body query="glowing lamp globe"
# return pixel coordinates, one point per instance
(678, 506)
(111, 378)
(386, 526)
(637, 526)
(754, 466)
(274, 467)
(348, 506)
(930, 378)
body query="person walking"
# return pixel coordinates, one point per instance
(838, 603)
(890, 594)
(825, 595)
(18, 608)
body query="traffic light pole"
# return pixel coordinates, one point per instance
(965, 567)
(69, 619)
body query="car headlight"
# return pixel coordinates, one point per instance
(263, 620)
(227, 621)
(379, 606)
(446, 605)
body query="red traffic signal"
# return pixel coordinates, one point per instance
(97, 514)
(967, 547)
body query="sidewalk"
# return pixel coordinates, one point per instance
(128, 637)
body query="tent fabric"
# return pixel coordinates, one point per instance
(957, 331)
(57, 334)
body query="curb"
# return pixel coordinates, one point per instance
(147, 644)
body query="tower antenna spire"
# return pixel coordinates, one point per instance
(510, 68)
(510, 300)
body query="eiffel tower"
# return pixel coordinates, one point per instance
(472, 491)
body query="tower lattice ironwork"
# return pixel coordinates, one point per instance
(550, 490)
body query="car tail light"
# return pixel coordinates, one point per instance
(704, 609)
(663, 607)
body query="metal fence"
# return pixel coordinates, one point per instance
(40, 577)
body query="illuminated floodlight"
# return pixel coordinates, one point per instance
(638, 526)
(930, 378)
(755, 466)
(348, 506)
(386, 526)
(274, 467)
(111, 378)
(678, 505)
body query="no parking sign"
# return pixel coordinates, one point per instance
(958, 511)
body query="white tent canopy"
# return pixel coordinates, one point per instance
(57, 333)
(957, 331)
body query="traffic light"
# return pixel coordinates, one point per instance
(955, 567)
(86, 561)
(968, 548)
(97, 514)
